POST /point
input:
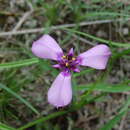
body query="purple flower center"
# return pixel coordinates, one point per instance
(68, 63)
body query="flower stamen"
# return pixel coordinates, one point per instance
(64, 57)
(73, 58)
(67, 64)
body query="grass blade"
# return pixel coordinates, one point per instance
(19, 97)
(5, 127)
(86, 71)
(42, 119)
(125, 105)
(104, 87)
(117, 44)
(19, 63)
(59, 113)
(113, 122)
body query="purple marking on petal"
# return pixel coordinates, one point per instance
(71, 52)
(68, 62)
(76, 70)
(96, 57)
(66, 72)
(60, 93)
(56, 66)
(59, 57)
(46, 47)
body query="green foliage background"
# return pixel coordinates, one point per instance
(21, 71)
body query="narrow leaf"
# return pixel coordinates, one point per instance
(5, 127)
(19, 97)
(19, 63)
(110, 124)
(117, 44)
(125, 105)
(86, 71)
(104, 87)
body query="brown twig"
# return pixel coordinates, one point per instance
(122, 123)
(59, 27)
(21, 21)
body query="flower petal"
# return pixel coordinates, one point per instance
(77, 70)
(56, 66)
(46, 47)
(60, 93)
(96, 57)
(71, 52)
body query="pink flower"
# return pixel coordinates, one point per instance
(60, 93)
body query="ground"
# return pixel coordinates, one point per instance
(24, 22)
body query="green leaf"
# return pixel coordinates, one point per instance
(106, 14)
(110, 124)
(42, 119)
(125, 105)
(19, 97)
(5, 127)
(86, 71)
(120, 54)
(117, 44)
(104, 87)
(19, 63)
(58, 113)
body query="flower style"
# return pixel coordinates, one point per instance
(60, 92)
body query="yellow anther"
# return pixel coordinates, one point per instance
(67, 64)
(73, 58)
(63, 57)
